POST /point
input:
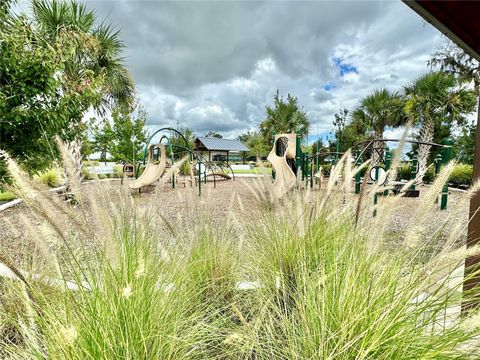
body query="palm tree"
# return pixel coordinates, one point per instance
(436, 98)
(377, 111)
(96, 57)
(97, 49)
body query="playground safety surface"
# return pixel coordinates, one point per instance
(180, 205)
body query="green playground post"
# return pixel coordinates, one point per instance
(414, 170)
(447, 156)
(312, 170)
(357, 175)
(273, 170)
(388, 164)
(298, 156)
(438, 165)
(199, 179)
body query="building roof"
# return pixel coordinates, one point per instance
(221, 144)
(458, 20)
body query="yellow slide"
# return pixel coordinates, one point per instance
(154, 169)
(284, 148)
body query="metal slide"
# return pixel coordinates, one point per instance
(284, 148)
(154, 170)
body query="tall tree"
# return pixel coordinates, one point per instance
(464, 144)
(96, 54)
(452, 59)
(285, 116)
(129, 134)
(97, 49)
(257, 144)
(376, 112)
(34, 104)
(436, 98)
(103, 137)
(339, 124)
(213, 134)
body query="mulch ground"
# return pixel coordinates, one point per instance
(176, 205)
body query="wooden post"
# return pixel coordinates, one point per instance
(472, 264)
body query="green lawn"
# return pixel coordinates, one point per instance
(6, 196)
(254, 171)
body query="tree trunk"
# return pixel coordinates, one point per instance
(73, 165)
(426, 135)
(377, 150)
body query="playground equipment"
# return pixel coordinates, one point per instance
(169, 152)
(282, 157)
(376, 148)
(129, 170)
(157, 162)
(291, 165)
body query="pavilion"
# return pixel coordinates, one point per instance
(217, 149)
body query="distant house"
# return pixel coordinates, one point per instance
(226, 150)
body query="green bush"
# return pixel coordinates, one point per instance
(86, 174)
(185, 168)
(49, 178)
(4, 176)
(461, 175)
(91, 163)
(404, 172)
(429, 176)
(6, 196)
(327, 168)
(118, 171)
(102, 176)
(305, 282)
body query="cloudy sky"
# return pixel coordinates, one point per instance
(216, 65)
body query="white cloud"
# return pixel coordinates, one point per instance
(216, 65)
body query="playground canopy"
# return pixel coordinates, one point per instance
(217, 149)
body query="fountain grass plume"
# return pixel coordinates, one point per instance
(307, 276)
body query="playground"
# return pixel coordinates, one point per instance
(219, 202)
(207, 238)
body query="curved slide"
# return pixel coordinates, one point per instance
(284, 176)
(154, 169)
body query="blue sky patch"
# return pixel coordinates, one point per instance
(329, 86)
(344, 68)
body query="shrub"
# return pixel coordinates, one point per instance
(429, 176)
(322, 285)
(404, 172)
(87, 175)
(461, 175)
(326, 169)
(185, 168)
(7, 196)
(5, 178)
(49, 178)
(91, 163)
(118, 171)
(102, 176)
